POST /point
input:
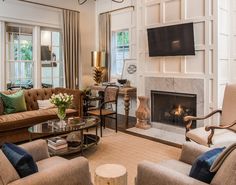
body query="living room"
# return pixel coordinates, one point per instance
(48, 44)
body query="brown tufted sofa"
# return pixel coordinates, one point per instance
(14, 127)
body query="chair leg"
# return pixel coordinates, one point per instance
(116, 123)
(101, 123)
(104, 122)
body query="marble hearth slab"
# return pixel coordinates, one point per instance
(160, 134)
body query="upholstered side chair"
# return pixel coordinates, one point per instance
(221, 135)
(176, 172)
(52, 170)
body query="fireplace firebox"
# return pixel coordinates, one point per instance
(171, 107)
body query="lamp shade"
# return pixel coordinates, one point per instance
(98, 59)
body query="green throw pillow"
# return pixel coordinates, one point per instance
(14, 102)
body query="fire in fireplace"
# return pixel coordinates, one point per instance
(171, 108)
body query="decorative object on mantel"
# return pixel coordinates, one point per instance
(143, 113)
(84, 1)
(98, 61)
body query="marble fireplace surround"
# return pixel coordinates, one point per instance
(179, 85)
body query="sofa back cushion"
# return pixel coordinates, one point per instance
(32, 95)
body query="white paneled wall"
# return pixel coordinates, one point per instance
(224, 35)
(233, 41)
(203, 13)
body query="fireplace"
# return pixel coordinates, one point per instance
(171, 107)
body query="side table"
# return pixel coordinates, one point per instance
(111, 174)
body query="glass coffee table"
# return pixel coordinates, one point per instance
(55, 128)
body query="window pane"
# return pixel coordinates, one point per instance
(55, 38)
(19, 61)
(52, 69)
(26, 52)
(120, 51)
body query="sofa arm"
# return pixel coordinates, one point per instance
(190, 151)
(78, 98)
(152, 174)
(38, 149)
(73, 172)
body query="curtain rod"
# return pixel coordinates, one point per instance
(117, 9)
(50, 6)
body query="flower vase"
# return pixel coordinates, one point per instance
(61, 113)
(143, 113)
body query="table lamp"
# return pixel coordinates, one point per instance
(99, 63)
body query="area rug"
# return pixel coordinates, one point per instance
(127, 150)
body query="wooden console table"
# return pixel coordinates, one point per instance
(127, 92)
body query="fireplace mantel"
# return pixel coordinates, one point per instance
(178, 85)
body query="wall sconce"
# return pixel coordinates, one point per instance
(99, 63)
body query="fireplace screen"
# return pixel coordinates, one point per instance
(170, 108)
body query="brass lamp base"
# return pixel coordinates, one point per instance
(98, 75)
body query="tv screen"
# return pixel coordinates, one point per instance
(171, 40)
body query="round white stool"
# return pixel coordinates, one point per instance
(111, 174)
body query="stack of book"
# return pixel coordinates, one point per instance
(57, 143)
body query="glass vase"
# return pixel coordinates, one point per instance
(61, 113)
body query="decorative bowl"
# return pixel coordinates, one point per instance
(122, 81)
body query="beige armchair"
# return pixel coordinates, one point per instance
(52, 170)
(221, 135)
(176, 172)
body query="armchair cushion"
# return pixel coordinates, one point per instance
(201, 167)
(20, 159)
(222, 137)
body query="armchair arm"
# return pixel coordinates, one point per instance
(212, 129)
(38, 149)
(152, 174)
(73, 172)
(188, 119)
(190, 151)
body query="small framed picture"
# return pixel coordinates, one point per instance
(130, 71)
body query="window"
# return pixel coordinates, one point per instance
(19, 56)
(120, 52)
(51, 59)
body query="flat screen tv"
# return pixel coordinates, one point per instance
(171, 40)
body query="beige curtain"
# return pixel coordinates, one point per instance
(105, 41)
(71, 48)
